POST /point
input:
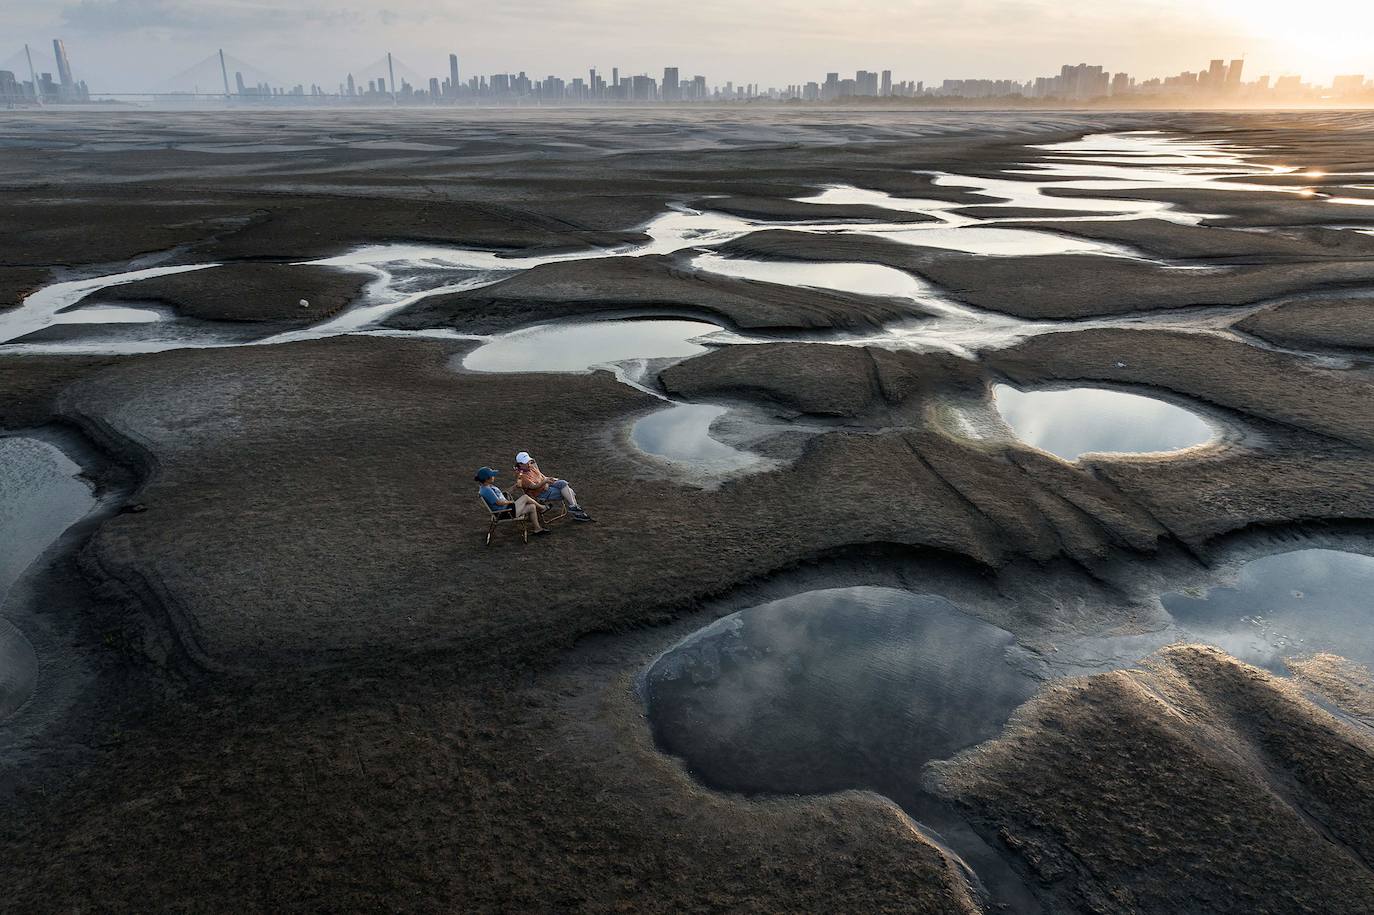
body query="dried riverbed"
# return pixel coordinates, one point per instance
(899, 437)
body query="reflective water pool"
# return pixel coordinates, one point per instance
(110, 314)
(41, 308)
(832, 689)
(681, 433)
(865, 279)
(995, 242)
(579, 347)
(1077, 421)
(842, 688)
(1291, 604)
(40, 497)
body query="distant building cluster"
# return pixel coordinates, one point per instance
(1082, 83)
(41, 88)
(1078, 83)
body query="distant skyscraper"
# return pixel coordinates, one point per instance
(453, 73)
(1348, 84)
(1216, 74)
(11, 93)
(352, 86)
(1233, 73)
(886, 88)
(670, 85)
(1082, 82)
(64, 70)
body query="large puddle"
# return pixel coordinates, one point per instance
(568, 347)
(844, 688)
(834, 689)
(1077, 421)
(681, 434)
(1292, 604)
(40, 497)
(864, 279)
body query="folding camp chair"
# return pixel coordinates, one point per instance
(506, 515)
(501, 516)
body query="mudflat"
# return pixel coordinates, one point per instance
(278, 654)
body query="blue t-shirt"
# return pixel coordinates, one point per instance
(494, 497)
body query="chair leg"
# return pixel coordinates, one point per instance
(490, 530)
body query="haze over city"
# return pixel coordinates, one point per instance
(137, 45)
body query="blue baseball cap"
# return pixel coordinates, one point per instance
(486, 473)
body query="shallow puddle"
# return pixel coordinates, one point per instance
(111, 314)
(1077, 421)
(1282, 606)
(833, 689)
(40, 497)
(579, 347)
(42, 308)
(994, 242)
(681, 433)
(837, 689)
(864, 279)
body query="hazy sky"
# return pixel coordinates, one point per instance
(138, 44)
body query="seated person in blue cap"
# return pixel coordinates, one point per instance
(523, 507)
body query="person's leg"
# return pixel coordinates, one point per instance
(527, 508)
(570, 498)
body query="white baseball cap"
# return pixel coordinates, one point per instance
(524, 458)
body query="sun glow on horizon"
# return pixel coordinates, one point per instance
(1318, 39)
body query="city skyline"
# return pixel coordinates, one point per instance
(1222, 81)
(138, 42)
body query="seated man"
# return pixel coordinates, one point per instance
(538, 486)
(523, 507)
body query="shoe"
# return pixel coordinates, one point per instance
(542, 530)
(579, 515)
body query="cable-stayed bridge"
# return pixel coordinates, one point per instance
(221, 75)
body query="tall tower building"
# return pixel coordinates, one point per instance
(670, 92)
(886, 88)
(64, 70)
(1216, 74)
(1233, 73)
(453, 73)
